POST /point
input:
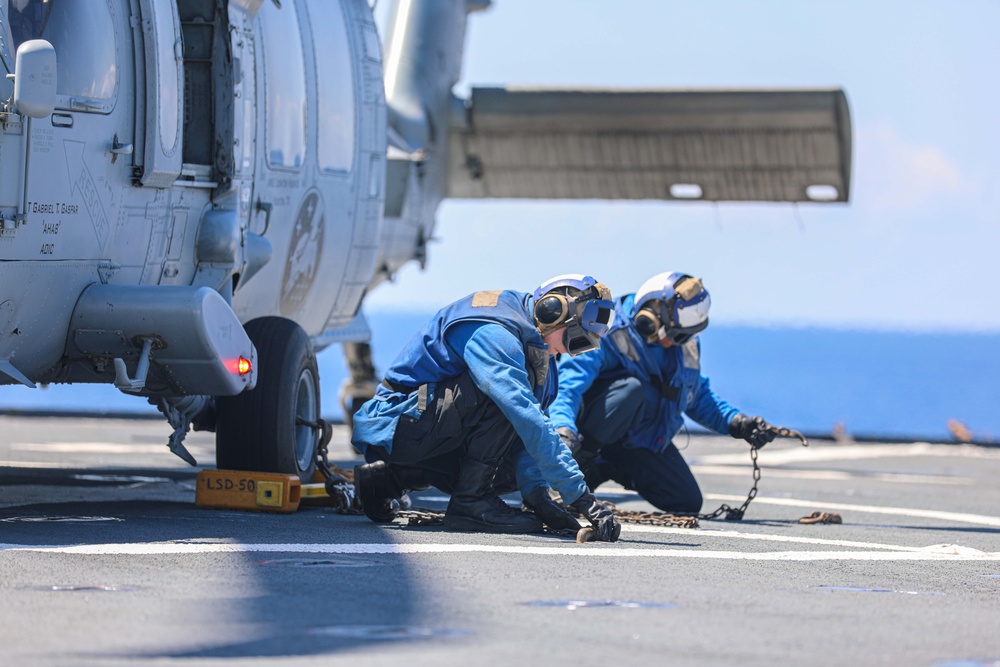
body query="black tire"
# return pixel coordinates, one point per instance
(258, 430)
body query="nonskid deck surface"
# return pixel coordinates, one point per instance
(105, 560)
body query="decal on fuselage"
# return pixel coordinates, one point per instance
(82, 184)
(302, 262)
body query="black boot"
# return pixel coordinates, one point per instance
(379, 491)
(476, 507)
(410, 479)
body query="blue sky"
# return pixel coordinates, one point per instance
(914, 250)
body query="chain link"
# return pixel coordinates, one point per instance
(339, 482)
(736, 514)
(654, 518)
(421, 516)
(785, 432)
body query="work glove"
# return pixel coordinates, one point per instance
(606, 526)
(570, 438)
(754, 430)
(549, 511)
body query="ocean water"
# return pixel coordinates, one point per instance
(871, 384)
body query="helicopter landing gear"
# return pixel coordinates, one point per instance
(276, 426)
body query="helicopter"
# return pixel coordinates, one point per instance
(196, 196)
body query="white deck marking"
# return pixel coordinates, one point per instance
(832, 475)
(978, 519)
(133, 480)
(940, 553)
(769, 456)
(82, 447)
(33, 464)
(713, 532)
(95, 447)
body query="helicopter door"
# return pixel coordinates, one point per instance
(79, 159)
(161, 158)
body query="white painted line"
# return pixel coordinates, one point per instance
(135, 480)
(82, 447)
(769, 456)
(831, 475)
(941, 553)
(720, 532)
(96, 447)
(628, 528)
(32, 464)
(59, 519)
(978, 519)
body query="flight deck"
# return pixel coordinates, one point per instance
(105, 560)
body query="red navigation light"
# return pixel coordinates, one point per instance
(239, 366)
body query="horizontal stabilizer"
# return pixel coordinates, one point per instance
(713, 145)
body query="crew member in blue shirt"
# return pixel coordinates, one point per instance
(620, 408)
(462, 408)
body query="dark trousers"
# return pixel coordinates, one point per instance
(461, 422)
(610, 409)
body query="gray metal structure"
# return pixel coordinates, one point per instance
(732, 145)
(196, 195)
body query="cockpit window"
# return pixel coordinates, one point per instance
(82, 34)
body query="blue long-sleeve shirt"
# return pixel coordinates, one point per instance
(662, 418)
(492, 336)
(497, 365)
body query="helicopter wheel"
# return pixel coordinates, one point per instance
(265, 429)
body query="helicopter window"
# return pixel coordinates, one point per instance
(285, 86)
(85, 66)
(169, 79)
(335, 85)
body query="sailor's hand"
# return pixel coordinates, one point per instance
(606, 526)
(570, 438)
(754, 430)
(549, 511)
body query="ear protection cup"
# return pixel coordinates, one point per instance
(551, 310)
(647, 323)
